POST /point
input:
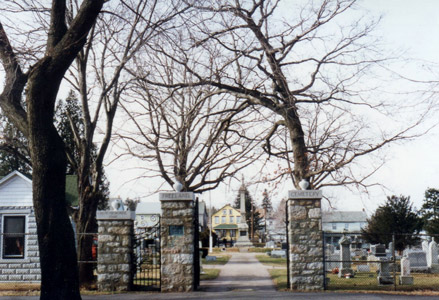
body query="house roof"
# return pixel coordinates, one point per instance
(344, 216)
(226, 226)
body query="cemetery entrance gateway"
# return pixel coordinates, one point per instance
(146, 250)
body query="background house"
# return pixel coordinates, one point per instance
(225, 223)
(336, 223)
(19, 255)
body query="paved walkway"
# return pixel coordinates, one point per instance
(243, 272)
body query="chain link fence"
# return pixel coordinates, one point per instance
(400, 262)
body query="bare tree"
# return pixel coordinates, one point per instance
(193, 135)
(100, 77)
(59, 272)
(308, 69)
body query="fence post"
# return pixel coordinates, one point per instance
(115, 250)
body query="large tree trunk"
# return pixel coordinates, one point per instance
(59, 271)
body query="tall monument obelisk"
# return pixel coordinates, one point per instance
(243, 240)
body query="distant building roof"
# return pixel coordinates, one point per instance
(148, 208)
(344, 216)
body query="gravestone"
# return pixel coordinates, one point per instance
(278, 254)
(418, 260)
(380, 250)
(345, 257)
(425, 246)
(405, 278)
(391, 249)
(384, 276)
(432, 257)
(363, 268)
(270, 244)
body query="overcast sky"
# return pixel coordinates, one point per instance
(412, 27)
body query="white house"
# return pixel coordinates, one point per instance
(19, 256)
(337, 223)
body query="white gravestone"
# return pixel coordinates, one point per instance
(405, 278)
(425, 246)
(418, 260)
(432, 259)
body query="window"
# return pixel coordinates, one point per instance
(238, 219)
(233, 233)
(216, 220)
(223, 219)
(224, 211)
(13, 238)
(231, 219)
(334, 226)
(346, 225)
(230, 211)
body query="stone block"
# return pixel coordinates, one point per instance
(22, 271)
(4, 277)
(15, 277)
(30, 277)
(297, 213)
(8, 271)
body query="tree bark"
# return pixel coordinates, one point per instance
(59, 272)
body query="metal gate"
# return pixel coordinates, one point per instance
(146, 250)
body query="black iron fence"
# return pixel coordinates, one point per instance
(399, 262)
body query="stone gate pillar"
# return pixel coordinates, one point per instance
(177, 242)
(305, 238)
(115, 231)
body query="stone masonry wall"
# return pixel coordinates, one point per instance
(25, 269)
(306, 244)
(177, 270)
(115, 255)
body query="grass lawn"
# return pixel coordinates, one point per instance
(368, 281)
(220, 260)
(210, 274)
(279, 277)
(271, 261)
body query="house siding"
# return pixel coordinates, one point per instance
(16, 192)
